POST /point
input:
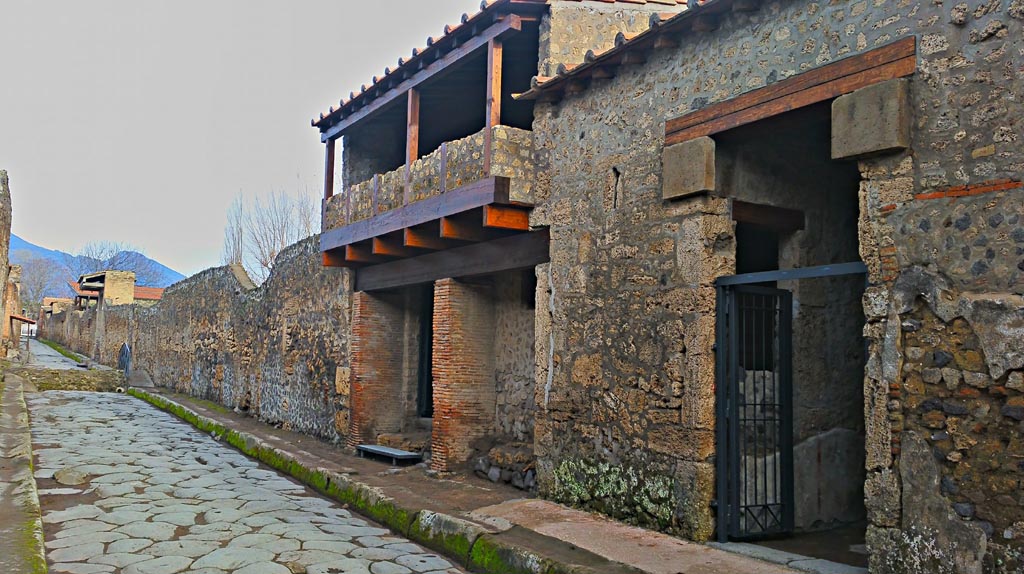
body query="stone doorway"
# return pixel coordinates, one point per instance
(797, 208)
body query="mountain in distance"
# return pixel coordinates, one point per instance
(156, 274)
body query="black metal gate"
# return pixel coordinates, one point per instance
(754, 397)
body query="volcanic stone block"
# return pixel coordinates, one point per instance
(872, 120)
(689, 168)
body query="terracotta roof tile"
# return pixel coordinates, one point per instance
(660, 24)
(149, 293)
(367, 92)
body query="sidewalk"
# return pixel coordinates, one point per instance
(484, 526)
(21, 528)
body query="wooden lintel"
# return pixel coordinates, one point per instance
(603, 72)
(520, 251)
(779, 219)
(388, 247)
(502, 217)
(361, 254)
(508, 25)
(462, 229)
(746, 5)
(468, 197)
(894, 60)
(422, 238)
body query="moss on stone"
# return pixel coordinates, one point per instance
(488, 555)
(625, 492)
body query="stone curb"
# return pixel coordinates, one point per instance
(34, 549)
(469, 544)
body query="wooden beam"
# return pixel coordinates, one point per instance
(461, 229)
(520, 251)
(494, 61)
(894, 60)
(510, 24)
(412, 142)
(388, 246)
(361, 254)
(329, 170)
(501, 217)
(337, 259)
(778, 219)
(427, 237)
(465, 198)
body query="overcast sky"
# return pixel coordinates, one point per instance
(140, 121)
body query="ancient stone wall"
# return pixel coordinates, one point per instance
(625, 365)
(276, 351)
(5, 243)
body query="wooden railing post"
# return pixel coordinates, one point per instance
(494, 53)
(412, 144)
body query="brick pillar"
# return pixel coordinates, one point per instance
(377, 367)
(463, 367)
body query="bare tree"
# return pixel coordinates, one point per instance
(257, 232)
(234, 234)
(40, 278)
(109, 256)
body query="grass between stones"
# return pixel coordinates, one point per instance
(57, 347)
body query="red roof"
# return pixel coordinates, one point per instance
(80, 293)
(148, 293)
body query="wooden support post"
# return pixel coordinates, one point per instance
(329, 170)
(412, 144)
(502, 217)
(494, 55)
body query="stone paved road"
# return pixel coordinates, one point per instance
(143, 493)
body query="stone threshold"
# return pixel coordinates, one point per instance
(481, 527)
(21, 525)
(796, 561)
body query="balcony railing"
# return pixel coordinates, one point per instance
(453, 165)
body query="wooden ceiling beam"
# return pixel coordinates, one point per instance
(427, 237)
(502, 217)
(388, 246)
(362, 254)
(462, 229)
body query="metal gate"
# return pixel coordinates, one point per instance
(754, 399)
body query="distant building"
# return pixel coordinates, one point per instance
(113, 288)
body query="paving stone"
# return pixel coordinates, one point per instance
(162, 565)
(156, 531)
(343, 566)
(91, 537)
(176, 518)
(120, 559)
(190, 548)
(76, 553)
(423, 562)
(122, 517)
(310, 557)
(234, 558)
(80, 568)
(376, 553)
(129, 545)
(336, 546)
(264, 568)
(388, 568)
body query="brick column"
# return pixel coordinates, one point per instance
(463, 367)
(377, 361)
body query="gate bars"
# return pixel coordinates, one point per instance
(754, 452)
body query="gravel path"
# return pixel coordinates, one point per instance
(128, 489)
